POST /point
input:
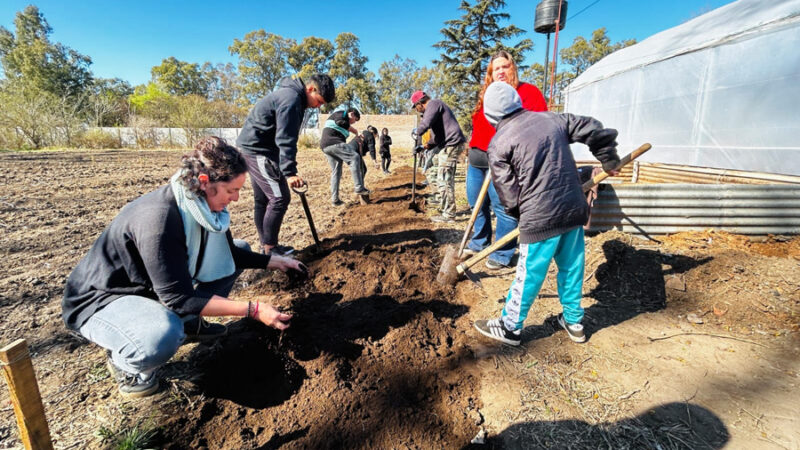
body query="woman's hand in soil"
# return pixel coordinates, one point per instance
(272, 317)
(284, 264)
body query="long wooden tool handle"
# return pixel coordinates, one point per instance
(513, 234)
(622, 163)
(475, 210)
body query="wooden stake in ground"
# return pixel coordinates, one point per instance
(21, 379)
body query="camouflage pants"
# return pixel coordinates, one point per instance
(447, 160)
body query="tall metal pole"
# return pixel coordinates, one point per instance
(555, 58)
(546, 69)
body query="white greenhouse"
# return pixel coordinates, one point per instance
(720, 91)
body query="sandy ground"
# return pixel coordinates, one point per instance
(693, 339)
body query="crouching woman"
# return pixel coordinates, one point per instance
(165, 262)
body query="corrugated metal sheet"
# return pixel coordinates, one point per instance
(652, 209)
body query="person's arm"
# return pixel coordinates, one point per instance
(259, 310)
(288, 118)
(160, 242)
(504, 177)
(427, 118)
(246, 259)
(601, 141)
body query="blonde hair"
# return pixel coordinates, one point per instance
(513, 80)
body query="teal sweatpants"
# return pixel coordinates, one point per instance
(568, 251)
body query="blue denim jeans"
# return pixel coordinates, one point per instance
(482, 231)
(342, 153)
(141, 333)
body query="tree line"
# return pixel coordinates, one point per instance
(50, 96)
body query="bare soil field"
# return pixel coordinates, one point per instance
(694, 339)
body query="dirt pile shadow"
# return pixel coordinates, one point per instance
(673, 425)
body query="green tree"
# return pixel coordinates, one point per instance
(262, 62)
(107, 103)
(312, 55)
(177, 77)
(29, 54)
(582, 53)
(398, 79)
(223, 83)
(29, 111)
(348, 69)
(469, 42)
(152, 102)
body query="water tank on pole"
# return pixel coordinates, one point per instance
(546, 15)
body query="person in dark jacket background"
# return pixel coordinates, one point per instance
(333, 144)
(537, 181)
(445, 134)
(167, 260)
(370, 137)
(386, 155)
(269, 142)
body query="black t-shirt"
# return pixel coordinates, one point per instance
(331, 136)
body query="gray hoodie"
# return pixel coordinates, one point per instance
(534, 172)
(273, 125)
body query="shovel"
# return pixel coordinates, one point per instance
(449, 274)
(301, 192)
(413, 205)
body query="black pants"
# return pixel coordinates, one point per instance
(272, 197)
(386, 159)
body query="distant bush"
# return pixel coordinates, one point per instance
(97, 139)
(144, 131)
(12, 139)
(309, 140)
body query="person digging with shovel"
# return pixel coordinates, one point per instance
(268, 141)
(537, 181)
(445, 133)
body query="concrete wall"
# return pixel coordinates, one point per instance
(399, 125)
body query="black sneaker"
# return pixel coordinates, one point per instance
(337, 202)
(282, 250)
(574, 330)
(496, 330)
(443, 219)
(200, 330)
(132, 386)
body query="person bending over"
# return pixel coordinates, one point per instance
(166, 261)
(537, 181)
(269, 142)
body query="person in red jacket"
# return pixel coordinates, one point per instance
(501, 68)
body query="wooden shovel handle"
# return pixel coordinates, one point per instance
(475, 210)
(513, 234)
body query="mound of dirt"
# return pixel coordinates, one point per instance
(371, 354)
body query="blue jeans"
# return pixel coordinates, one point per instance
(482, 231)
(568, 251)
(141, 333)
(342, 153)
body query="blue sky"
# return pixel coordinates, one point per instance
(126, 38)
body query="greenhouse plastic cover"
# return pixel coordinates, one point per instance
(721, 90)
